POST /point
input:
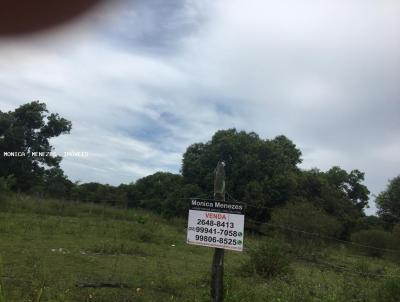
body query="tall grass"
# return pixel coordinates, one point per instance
(56, 245)
(2, 297)
(269, 258)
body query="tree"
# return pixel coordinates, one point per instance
(53, 184)
(162, 192)
(23, 132)
(264, 173)
(151, 191)
(260, 172)
(339, 193)
(370, 222)
(388, 202)
(350, 185)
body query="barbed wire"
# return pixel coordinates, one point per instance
(324, 236)
(285, 227)
(277, 206)
(329, 265)
(320, 263)
(206, 196)
(325, 264)
(134, 200)
(231, 198)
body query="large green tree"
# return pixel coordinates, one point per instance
(24, 131)
(264, 173)
(388, 202)
(259, 171)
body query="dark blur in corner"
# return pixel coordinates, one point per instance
(25, 17)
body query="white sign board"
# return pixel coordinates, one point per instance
(216, 224)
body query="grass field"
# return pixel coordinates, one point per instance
(52, 250)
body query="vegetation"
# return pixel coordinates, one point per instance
(388, 202)
(163, 193)
(298, 220)
(2, 299)
(261, 172)
(54, 251)
(378, 240)
(269, 258)
(389, 290)
(396, 236)
(24, 133)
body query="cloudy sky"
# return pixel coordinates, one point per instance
(143, 80)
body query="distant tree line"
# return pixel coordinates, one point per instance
(263, 173)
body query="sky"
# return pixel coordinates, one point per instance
(142, 80)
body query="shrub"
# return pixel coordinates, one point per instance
(301, 216)
(6, 184)
(396, 236)
(117, 248)
(2, 299)
(389, 290)
(270, 258)
(372, 241)
(363, 267)
(395, 244)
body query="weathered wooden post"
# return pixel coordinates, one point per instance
(219, 225)
(217, 269)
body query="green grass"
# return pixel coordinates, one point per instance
(2, 299)
(48, 247)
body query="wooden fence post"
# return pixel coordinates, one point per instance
(217, 269)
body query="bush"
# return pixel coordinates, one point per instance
(396, 236)
(372, 241)
(362, 266)
(117, 248)
(6, 184)
(395, 244)
(2, 299)
(389, 290)
(270, 258)
(304, 216)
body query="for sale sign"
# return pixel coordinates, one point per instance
(216, 224)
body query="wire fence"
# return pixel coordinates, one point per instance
(284, 227)
(291, 229)
(343, 268)
(314, 262)
(205, 196)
